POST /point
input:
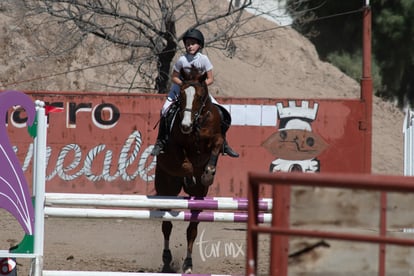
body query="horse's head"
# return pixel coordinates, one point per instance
(193, 98)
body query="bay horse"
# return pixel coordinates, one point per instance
(190, 157)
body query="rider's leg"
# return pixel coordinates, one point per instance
(225, 124)
(174, 92)
(227, 149)
(162, 137)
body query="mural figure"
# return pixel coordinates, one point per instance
(295, 145)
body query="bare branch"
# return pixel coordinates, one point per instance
(142, 32)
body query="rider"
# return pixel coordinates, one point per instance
(194, 42)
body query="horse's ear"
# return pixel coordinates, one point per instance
(203, 78)
(183, 74)
(194, 72)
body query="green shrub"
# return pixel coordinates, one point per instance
(351, 64)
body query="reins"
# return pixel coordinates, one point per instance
(198, 114)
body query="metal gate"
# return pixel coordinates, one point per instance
(280, 230)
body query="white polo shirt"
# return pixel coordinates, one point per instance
(200, 61)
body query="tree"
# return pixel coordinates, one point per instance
(330, 25)
(393, 30)
(335, 29)
(148, 30)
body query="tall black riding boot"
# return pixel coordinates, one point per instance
(228, 150)
(225, 124)
(162, 138)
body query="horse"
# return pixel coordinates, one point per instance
(191, 154)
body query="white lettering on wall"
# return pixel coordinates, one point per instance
(127, 159)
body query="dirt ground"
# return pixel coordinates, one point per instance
(287, 66)
(136, 245)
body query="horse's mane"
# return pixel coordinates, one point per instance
(194, 75)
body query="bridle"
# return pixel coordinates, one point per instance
(196, 123)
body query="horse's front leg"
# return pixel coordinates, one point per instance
(191, 236)
(166, 254)
(207, 177)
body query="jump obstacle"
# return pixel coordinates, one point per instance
(117, 206)
(191, 204)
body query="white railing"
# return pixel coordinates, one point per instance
(408, 131)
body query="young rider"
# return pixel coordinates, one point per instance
(194, 42)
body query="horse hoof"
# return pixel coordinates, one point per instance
(188, 266)
(166, 257)
(207, 180)
(210, 170)
(208, 176)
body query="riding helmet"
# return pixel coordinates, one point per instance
(195, 34)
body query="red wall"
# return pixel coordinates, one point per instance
(100, 143)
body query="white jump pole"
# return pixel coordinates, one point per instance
(39, 178)
(159, 202)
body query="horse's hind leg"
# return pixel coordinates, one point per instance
(166, 254)
(191, 236)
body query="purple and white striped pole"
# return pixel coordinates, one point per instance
(202, 216)
(159, 202)
(108, 273)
